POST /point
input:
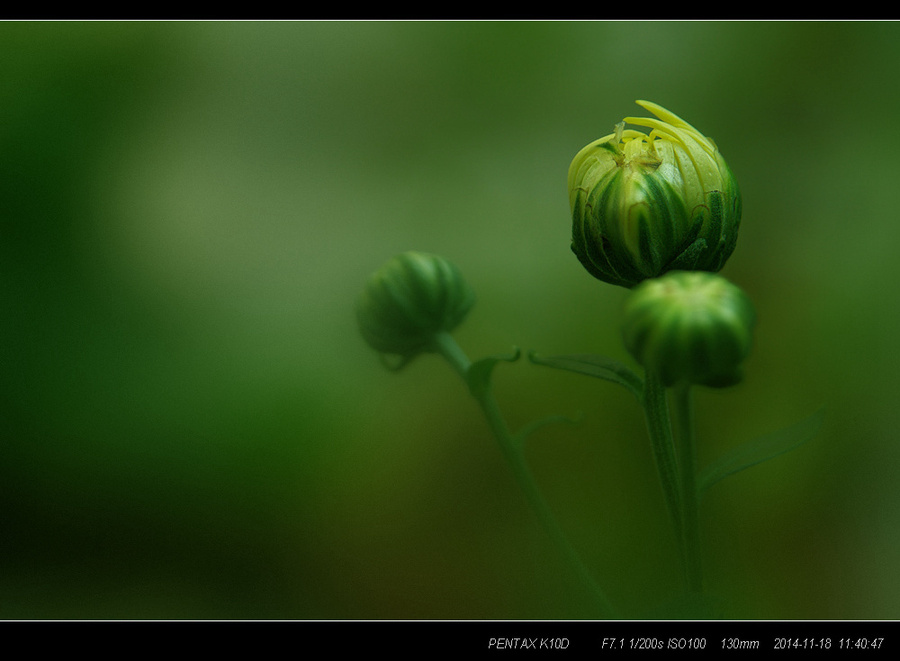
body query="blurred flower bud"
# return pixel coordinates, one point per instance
(644, 204)
(409, 300)
(692, 327)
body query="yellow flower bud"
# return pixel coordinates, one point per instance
(647, 203)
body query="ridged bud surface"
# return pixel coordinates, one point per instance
(409, 300)
(692, 327)
(646, 203)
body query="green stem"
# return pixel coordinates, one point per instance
(656, 412)
(687, 446)
(451, 351)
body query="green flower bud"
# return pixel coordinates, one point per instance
(644, 204)
(692, 327)
(409, 300)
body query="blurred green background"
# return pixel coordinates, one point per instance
(192, 427)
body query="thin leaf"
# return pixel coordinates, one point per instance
(600, 367)
(760, 449)
(533, 426)
(478, 376)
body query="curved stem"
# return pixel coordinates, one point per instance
(656, 412)
(687, 446)
(451, 351)
(445, 345)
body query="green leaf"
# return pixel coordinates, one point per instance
(478, 376)
(760, 449)
(600, 367)
(533, 426)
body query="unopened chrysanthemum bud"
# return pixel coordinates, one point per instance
(409, 300)
(644, 204)
(690, 327)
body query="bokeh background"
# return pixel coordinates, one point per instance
(192, 427)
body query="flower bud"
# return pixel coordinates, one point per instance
(692, 327)
(644, 204)
(409, 300)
